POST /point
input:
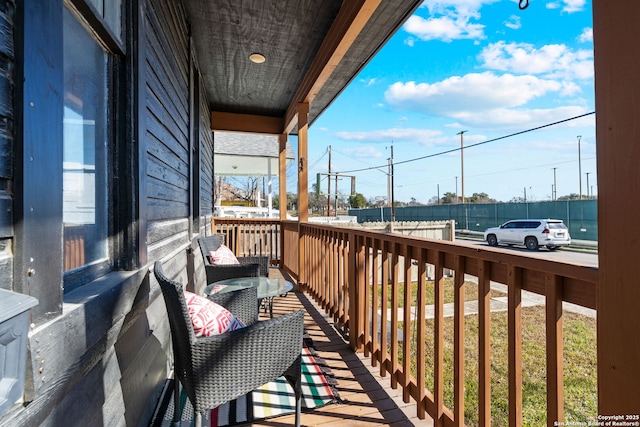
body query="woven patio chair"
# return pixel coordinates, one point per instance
(217, 369)
(246, 268)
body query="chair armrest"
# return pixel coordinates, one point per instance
(239, 361)
(260, 259)
(243, 303)
(231, 271)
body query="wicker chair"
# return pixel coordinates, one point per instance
(250, 266)
(214, 370)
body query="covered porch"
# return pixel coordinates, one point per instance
(341, 268)
(181, 77)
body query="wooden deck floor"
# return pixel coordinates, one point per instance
(366, 398)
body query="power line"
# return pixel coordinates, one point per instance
(453, 150)
(498, 172)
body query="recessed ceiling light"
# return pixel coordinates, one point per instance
(258, 58)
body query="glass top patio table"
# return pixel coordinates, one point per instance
(267, 288)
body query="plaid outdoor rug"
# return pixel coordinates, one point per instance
(271, 400)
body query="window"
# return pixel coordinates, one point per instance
(111, 12)
(86, 142)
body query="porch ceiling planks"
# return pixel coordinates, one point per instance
(313, 49)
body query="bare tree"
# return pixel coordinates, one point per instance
(218, 184)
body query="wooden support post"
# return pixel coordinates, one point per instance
(303, 185)
(617, 89)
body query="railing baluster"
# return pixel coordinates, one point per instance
(325, 262)
(458, 344)
(356, 282)
(555, 353)
(421, 332)
(514, 332)
(345, 284)
(394, 317)
(384, 330)
(484, 344)
(438, 341)
(367, 294)
(375, 302)
(406, 330)
(339, 257)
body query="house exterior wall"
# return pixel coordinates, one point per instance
(100, 354)
(7, 124)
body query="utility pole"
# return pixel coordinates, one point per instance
(393, 208)
(587, 173)
(457, 201)
(336, 198)
(580, 166)
(328, 185)
(388, 182)
(461, 133)
(555, 189)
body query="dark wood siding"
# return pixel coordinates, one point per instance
(206, 164)
(167, 115)
(7, 124)
(110, 336)
(166, 101)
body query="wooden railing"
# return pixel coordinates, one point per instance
(350, 271)
(251, 237)
(290, 242)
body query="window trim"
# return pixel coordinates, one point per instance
(87, 273)
(101, 28)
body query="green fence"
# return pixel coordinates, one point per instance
(581, 216)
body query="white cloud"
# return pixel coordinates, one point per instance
(368, 151)
(423, 136)
(571, 6)
(463, 7)
(485, 100)
(448, 20)
(472, 92)
(520, 118)
(586, 36)
(568, 6)
(368, 82)
(445, 28)
(552, 61)
(513, 22)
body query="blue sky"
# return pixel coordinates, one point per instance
(481, 66)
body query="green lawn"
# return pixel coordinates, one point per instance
(579, 370)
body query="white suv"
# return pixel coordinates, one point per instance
(532, 233)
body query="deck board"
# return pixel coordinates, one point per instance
(366, 398)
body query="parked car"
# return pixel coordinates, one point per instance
(531, 233)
